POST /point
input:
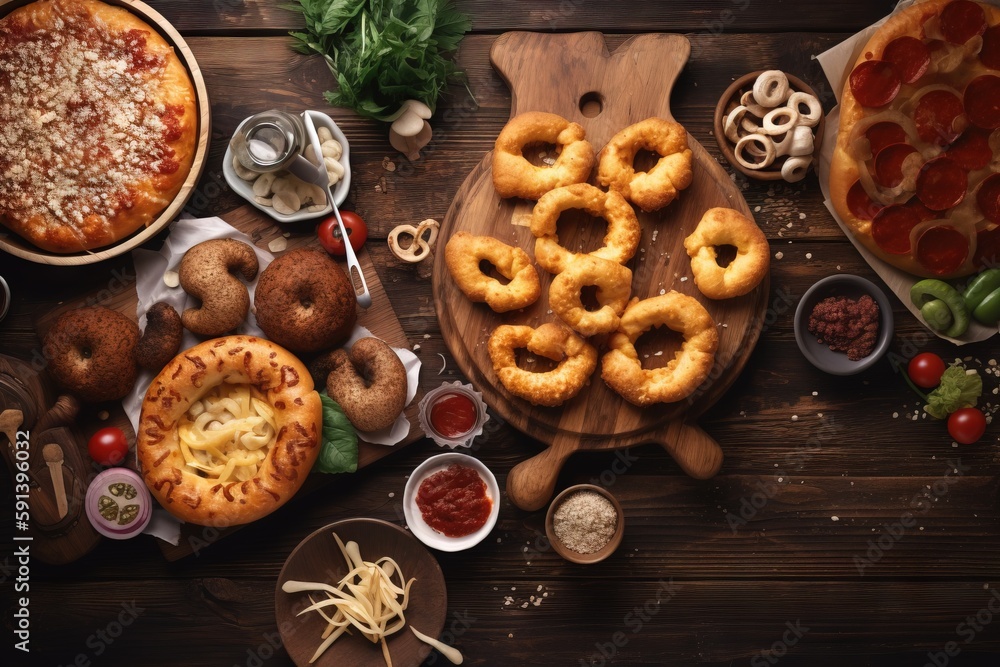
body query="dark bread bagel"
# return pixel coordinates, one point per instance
(161, 339)
(369, 383)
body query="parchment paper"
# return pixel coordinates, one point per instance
(835, 63)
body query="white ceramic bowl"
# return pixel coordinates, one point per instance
(245, 188)
(415, 521)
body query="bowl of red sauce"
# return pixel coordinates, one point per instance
(451, 502)
(843, 324)
(453, 414)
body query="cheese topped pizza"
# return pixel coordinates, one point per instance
(98, 124)
(914, 173)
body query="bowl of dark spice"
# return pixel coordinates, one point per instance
(585, 524)
(843, 324)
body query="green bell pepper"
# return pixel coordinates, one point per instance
(930, 290)
(988, 310)
(980, 287)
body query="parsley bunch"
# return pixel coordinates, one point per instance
(382, 52)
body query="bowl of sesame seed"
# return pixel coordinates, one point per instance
(585, 524)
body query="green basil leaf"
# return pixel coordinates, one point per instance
(339, 452)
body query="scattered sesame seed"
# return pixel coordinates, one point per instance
(835, 518)
(779, 255)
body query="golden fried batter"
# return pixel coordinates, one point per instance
(514, 176)
(577, 359)
(724, 226)
(614, 286)
(464, 252)
(653, 189)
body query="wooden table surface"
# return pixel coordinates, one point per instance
(771, 560)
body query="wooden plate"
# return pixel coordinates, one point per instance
(15, 245)
(317, 558)
(574, 75)
(731, 99)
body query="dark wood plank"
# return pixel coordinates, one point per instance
(700, 17)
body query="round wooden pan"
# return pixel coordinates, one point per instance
(568, 74)
(15, 245)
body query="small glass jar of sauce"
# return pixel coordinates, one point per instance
(453, 414)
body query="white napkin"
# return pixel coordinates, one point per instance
(835, 63)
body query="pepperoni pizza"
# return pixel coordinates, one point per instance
(914, 173)
(98, 124)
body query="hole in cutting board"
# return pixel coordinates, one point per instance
(645, 160)
(580, 232)
(591, 104)
(488, 269)
(725, 254)
(658, 346)
(540, 154)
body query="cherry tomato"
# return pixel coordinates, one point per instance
(329, 233)
(926, 369)
(966, 425)
(109, 446)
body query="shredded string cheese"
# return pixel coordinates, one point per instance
(372, 597)
(227, 433)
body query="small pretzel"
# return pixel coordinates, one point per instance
(771, 88)
(812, 118)
(464, 252)
(419, 247)
(575, 357)
(770, 151)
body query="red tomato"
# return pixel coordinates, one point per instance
(966, 425)
(926, 369)
(329, 233)
(109, 446)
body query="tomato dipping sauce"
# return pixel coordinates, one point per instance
(454, 502)
(453, 415)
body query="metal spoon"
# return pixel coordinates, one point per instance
(321, 179)
(53, 455)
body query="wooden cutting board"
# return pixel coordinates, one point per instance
(380, 319)
(574, 75)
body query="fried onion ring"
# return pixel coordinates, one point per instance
(724, 226)
(576, 360)
(514, 176)
(622, 370)
(464, 252)
(620, 242)
(653, 189)
(614, 286)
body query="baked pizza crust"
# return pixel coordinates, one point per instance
(844, 168)
(149, 194)
(288, 388)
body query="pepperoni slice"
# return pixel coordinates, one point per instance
(962, 20)
(987, 248)
(941, 184)
(860, 204)
(942, 250)
(889, 164)
(972, 150)
(988, 198)
(885, 134)
(875, 83)
(909, 56)
(989, 55)
(891, 228)
(982, 101)
(935, 117)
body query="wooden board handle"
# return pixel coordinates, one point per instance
(695, 451)
(531, 483)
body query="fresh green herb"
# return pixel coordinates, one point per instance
(340, 442)
(382, 52)
(958, 389)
